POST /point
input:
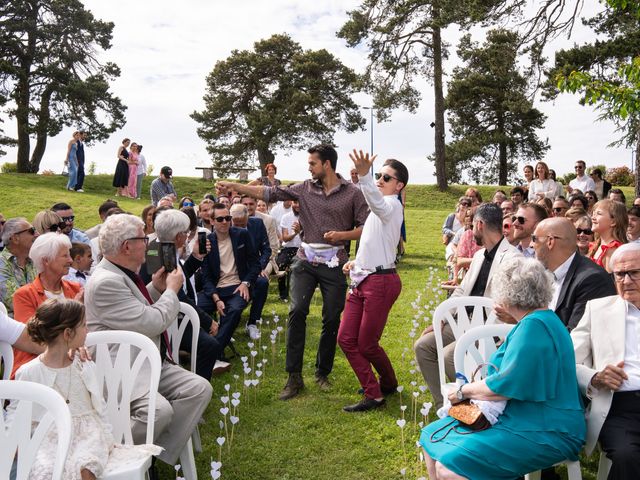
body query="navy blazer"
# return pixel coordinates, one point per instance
(260, 239)
(244, 252)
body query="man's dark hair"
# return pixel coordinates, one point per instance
(210, 196)
(519, 190)
(78, 248)
(635, 211)
(326, 153)
(61, 206)
(491, 215)
(193, 218)
(597, 171)
(538, 210)
(401, 171)
(619, 192)
(106, 206)
(242, 197)
(219, 206)
(581, 198)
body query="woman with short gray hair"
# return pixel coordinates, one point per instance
(534, 372)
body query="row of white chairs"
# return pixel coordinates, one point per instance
(118, 377)
(474, 334)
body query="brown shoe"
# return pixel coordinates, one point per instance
(293, 387)
(323, 382)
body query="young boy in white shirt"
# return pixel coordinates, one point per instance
(82, 259)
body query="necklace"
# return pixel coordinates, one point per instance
(66, 397)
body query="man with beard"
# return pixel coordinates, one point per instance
(524, 223)
(66, 213)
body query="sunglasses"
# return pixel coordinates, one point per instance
(578, 167)
(188, 204)
(69, 219)
(584, 231)
(57, 226)
(558, 209)
(223, 219)
(386, 177)
(32, 231)
(520, 220)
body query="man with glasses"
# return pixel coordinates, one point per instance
(228, 273)
(116, 298)
(582, 182)
(332, 212)
(16, 268)
(560, 207)
(524, 223)
(66, 213)
(607, 349)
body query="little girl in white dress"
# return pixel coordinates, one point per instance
(60, 324)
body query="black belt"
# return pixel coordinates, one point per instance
(382, 271)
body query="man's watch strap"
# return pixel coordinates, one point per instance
(246, 283)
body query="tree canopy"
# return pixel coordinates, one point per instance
(274, 96)
(50, 74)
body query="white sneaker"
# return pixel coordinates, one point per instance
(254, 333)
(80, 191)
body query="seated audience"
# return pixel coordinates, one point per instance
(107, 205)
(224, 200)
(51, 257)
(584, 234)
(602, 186)
(166, 202)
(478, 282)
(543, 420)
(517, 197)
(205, 210)
(474, 195)
(66, 214)
(524, 223)
(592, 198)
(2, 222)
(81, 261)
(261, 206)
(633, 230)
(466, 247)
(116, 298)
(290, 233)
(560, 207)
(147, 218)
(186, 202)
(606, 349)
(577, 200)
(16, 268)
(47, 221)
(609, 223)
(507, 207)
(617, 195)
(272, 231)
(499, 197)
(96, 253)
(547, 204)
(453, 223)
(508, 231)
(636, 202)
(575, 213)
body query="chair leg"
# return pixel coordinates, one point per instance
(573, 471)
(533, 476)
(603, 467)
(188, 462)
(195, 438)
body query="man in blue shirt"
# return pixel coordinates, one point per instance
(65, 212)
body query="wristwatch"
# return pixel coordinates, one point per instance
(247, 284)
(459, 394)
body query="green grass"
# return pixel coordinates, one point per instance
(308, 437)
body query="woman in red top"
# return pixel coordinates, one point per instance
(50, 256)
(610, 222)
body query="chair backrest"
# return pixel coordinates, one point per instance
(475, 347)
(176, 332)
(454, 312)
(117, 371)
(17, 432)
(6, 353)
(3, 309)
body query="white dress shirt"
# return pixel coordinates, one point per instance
(559, 275)
(547, 187)
(381, 231)
(631, 349)
(584, 183)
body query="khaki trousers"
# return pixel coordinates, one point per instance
(427, 357)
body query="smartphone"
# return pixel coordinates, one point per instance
(152, 260)
(202, 243)
(168, 256)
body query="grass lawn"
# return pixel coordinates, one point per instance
(308, 437)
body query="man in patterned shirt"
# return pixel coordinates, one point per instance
(16, 268)
(332, 212)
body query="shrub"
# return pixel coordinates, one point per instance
(48, 173)
(621, 176)
(149, 170)
(92, 168)
(9, 167)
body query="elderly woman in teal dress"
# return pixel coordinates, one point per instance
(534, 371)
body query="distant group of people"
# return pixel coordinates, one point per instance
(74, 161)
(130, 170)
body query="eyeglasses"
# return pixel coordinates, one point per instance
(535, 238)
(520, 220)
(223, 219)
(634, 275)
(69, 219)
(145, 238)
(584, 231)
(386, 177)
(32, 231)
(559, 209)
(57, 226)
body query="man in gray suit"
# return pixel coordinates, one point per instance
(116, 298)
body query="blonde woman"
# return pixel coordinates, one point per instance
(71, 160)
(609, 223)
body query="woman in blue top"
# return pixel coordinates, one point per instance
(71, 160)
(535, 372)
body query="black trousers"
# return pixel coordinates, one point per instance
(620, 436)
(80, 178)
(333, 286)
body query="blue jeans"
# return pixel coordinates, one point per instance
(73, 174)
(139, 184)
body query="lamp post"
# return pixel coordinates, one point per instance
(371, 109)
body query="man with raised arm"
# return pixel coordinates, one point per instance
(332, 212)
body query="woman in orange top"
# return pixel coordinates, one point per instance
(50, 256)
(609, 219)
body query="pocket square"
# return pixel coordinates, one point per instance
(240, 246)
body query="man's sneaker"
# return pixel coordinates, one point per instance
(364, 405)
(80, 190)
(253, 332)
(221, 367)
(323, 382)
(293, 387)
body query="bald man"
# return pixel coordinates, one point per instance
(577, 278)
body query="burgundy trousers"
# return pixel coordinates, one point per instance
(363, 321)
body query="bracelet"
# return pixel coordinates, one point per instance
(219, 300)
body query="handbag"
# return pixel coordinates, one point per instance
(65, 171)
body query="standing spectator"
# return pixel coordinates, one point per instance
(290, 232)
(542, 186)
(582, 181)
(602, 186)
(71, 159)
(332, 212)
(80, 156)
(162, 186)
(141, 172)
(609, 223)
(133, 171)
(279, 210)
(104, 207)
(524, 223)
(633, 231)
(559, 186)
(121, 177)
(375, 282)
(16, 268)
(528, 178)
(66, 214)
(269, 179)
(617, 195)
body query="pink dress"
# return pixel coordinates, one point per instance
(133, 174)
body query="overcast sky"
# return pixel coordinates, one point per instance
(165, 49)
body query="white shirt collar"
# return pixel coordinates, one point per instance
(561, 272)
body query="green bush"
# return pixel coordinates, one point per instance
(621, 176)
(9, 167)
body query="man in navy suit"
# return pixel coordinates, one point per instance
(80, 157)
(228, 272)
(257, 230)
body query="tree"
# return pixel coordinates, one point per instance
(492, 119)
(50, 75)
(606, 73)
(274, 96)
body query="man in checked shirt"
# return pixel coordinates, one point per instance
(332, 212)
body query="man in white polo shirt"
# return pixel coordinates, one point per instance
(582, 182)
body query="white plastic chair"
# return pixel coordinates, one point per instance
(454, 312)
(6, 353)
(20, 435)
(118, 376)
(3, 309)
(474, 348)
(603, 467)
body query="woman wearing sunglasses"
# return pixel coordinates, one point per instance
(48, 221)
(584, 234)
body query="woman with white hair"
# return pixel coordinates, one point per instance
(51, 258)
(534, 372)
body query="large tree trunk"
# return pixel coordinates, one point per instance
(441, 170)
(22, 120)
(41, 131)
(265, 156)
(502, 153)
